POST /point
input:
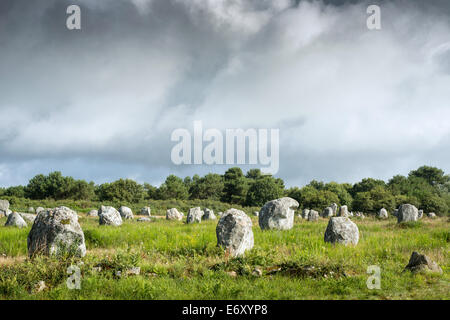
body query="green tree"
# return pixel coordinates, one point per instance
(263, 189)
(210, 186)
(235, 186)
(15, 191)
(173, 188)
(124, 190)
(432, 175)
(341, 191)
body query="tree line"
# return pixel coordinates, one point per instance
(427, 188)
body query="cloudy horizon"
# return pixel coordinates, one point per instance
(101, 103)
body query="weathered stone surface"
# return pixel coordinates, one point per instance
(407, 212)
(93, 213)
(109, 216)
(313, 215)
(220, 214)
(195, 215)
(126, 213)
(383, 214)
(146, 211)
(208, 215)
(144, 219)
(350, 214)
(431, 215)
(420, 262)
(278, 214)
(234, 232)
(4, 207)
(56, 231)
(31, 210)
(174, 214)
(256, 213)
(334, 206)
(39, 209)
(343, 211)
(342, 230)
(305, 213)
(420, 214)
(395, 213)
(327, 212)
(15, 220)
(28, 217)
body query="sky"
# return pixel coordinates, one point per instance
(101, 103)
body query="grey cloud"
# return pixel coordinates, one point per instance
(101, 103)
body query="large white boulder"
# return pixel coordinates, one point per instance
(305, 213)
(126, 213)
(195, 215)
(174, 214)
(56, 231)
(406, 213)
(28, 217)
(15, 220)
(209, 215)
(234, 232)
(383, 214)
(109, 216)
(327, 212)
(278, 214)
(341, 230)
(4, 207)
(313, 215)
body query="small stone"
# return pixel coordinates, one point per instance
(144, 219)
(93, 213)
(40, 286)
(420, 262)
(135, 271)
(257, 272)
(232, 274)
(420, 214)
(146, 211)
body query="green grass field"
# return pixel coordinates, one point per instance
(180, 261)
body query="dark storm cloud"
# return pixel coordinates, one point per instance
(101, 103)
